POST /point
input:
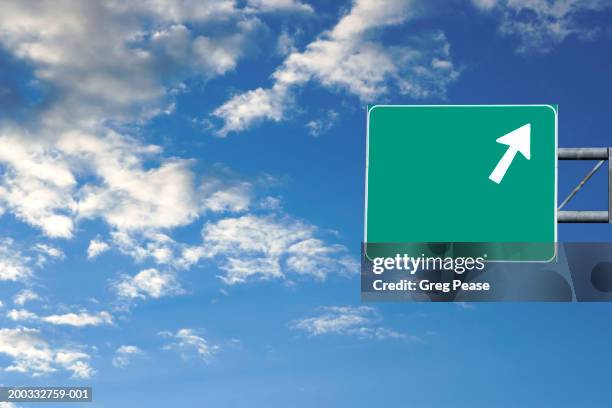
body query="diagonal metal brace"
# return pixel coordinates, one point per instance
(582, 183)
(588, 153)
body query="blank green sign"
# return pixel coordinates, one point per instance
(431, 174)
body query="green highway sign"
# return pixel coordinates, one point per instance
(468, 173)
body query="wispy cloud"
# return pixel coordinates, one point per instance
(18, 260)
(24, 296)
(137, 51)
(76, 159)
(14, 266)
(541, 25)
(359, 321)
(464, 305)
(269, 247)
(124, 354)
(96, 247)
(187, 342)
(148, 283)
(46, 251)
(319, 126)
(105, 66)
(279, 6)
(31, 354)
(346, 58)
(80, 319)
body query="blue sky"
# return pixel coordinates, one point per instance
(181, 200)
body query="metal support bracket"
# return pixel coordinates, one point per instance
(602, 154)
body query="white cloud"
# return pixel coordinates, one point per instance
(119, 189)
(25, 296)
(115, 181)
(190, 256)
(270, 203)
(20, 315)
(360, 321)
(17, 260)
(464, 305)
(242, 110)
(213, 196)
(285, 44)
(279, 5)
(540, 25)
(107, 58)
(96, 247)
(128, 350)
(132, 197)
(46, 252)
(267, 247)
(157, 247)
(14, 266)
(322, 125)
(50, 251)
(231, 198)
(346, 58)
(31, 354)
(251, 233)
(178, 11)
(124, 354)
(187, 341)
(36, 186)
(148, 283)
(484, 4)
(80, 319)
(316, 258)
(105, 65)
(75, 361)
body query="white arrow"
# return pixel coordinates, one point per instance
(517, 141)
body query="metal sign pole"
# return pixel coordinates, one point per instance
(610, 184)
